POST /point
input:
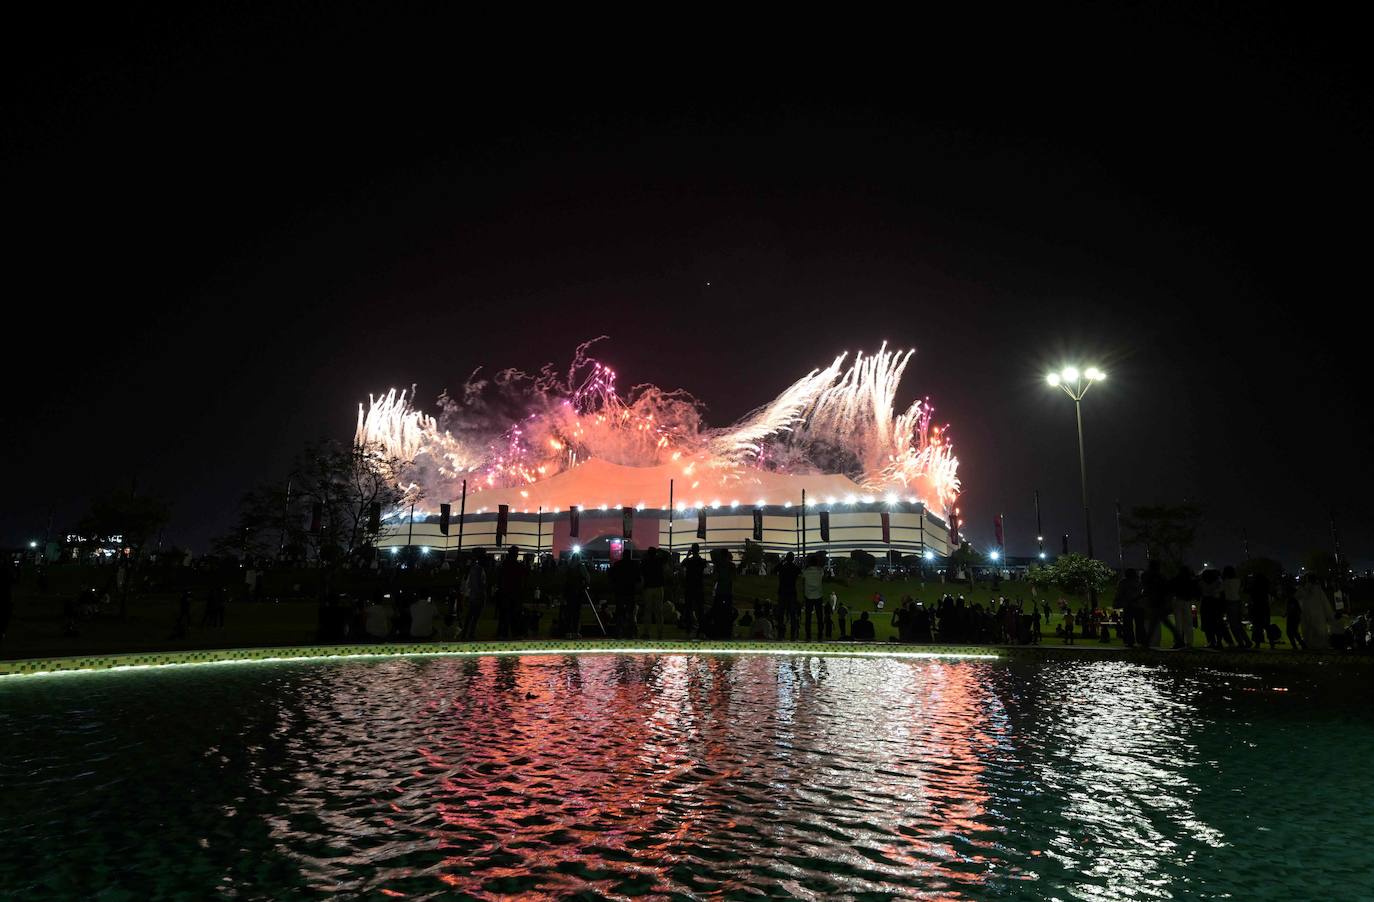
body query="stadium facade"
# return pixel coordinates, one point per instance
(656, 506)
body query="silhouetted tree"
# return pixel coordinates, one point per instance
(1166, 531)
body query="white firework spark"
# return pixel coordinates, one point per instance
(517, 429)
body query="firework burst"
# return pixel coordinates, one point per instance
(516, 429)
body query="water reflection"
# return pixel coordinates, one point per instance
(661, 775)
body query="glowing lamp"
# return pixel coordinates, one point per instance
(1070, 374)
(1095, 374)
(1052, 378)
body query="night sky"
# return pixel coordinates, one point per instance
(225, 232)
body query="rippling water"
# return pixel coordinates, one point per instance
(684, 776)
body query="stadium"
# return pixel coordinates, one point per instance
(551, 462)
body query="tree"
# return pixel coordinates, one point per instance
(1322, 563)
(753, 554)
(965, 557)
(135, 518)
(1165, 531)
(344, 480)
(269, 521)
(1073, 573)
(861, 563)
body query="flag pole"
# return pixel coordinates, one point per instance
(462, 508)
(1039, 530)
(1120, 548)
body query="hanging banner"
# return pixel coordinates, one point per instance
(825, 526)
(502, 522)
(574, 521)
(701, 523)
(444, 511)
(627, 522)
(887, 527)
(954, 529)
(997, 529)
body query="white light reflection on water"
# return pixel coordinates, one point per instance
(687, 776)
(1119, 756)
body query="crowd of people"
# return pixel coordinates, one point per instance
(652, 594)
(1232, 612)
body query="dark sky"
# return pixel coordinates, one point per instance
(226, 231)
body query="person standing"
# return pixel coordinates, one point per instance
(1318, 617)
(1156, 591)
(693, 572)
(575, 583)
(624, 585)
(475, 586)
(720, 619)
(787, 572)
(1293, 622)
(1230, 591)
(510, 592)
(1184, 590)
(1213, 608)
(812, 579)
(1257, 590)
(1132, 605)
(653, 576)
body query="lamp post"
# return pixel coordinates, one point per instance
(1076, 385)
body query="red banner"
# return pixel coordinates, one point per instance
(825, 526)
(887, 527)
(701, 523)
(573, 521)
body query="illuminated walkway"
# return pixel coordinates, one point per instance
(1206, 658)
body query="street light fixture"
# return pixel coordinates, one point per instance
(1076, 385)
